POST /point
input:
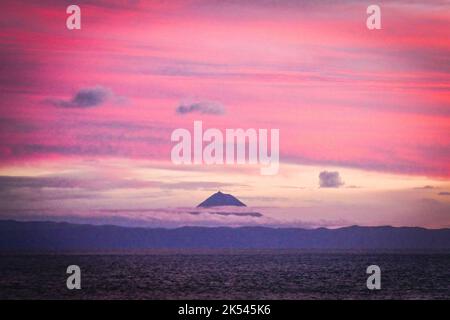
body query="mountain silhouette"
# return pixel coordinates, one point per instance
(221, 199)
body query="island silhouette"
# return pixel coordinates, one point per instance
(54, 236)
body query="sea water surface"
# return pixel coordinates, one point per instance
(221, 274)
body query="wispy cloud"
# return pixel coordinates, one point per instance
(227, 212)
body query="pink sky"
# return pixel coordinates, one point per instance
(371, 105)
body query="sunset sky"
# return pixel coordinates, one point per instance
(86, 115)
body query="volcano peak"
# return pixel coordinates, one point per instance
(221, 199)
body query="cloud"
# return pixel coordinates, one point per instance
(329, 179)
(86, 98)
(427, 187)
(92, 183)
(445, 193)
(203, 107)
(199, 185)
(229, 213)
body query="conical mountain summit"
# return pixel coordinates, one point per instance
(221, 199)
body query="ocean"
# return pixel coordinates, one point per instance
(221, 274)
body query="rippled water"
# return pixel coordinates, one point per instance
(226, 275)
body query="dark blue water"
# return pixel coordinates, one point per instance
(226, 275)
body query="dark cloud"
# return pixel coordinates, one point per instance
(97, 183)
(330, 179)
(99, 149)
(8, 182)
(445, 193)
(427, 187)
(109, 4)
(203, 107)
(68, 182)
(85, 98)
